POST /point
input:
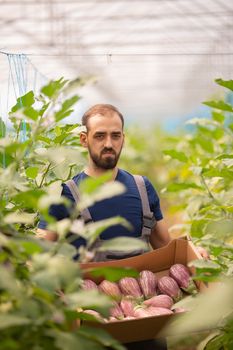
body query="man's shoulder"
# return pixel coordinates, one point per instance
(79, 177)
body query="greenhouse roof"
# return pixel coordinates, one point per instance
(154, 59)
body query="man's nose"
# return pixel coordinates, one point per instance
(108, 142)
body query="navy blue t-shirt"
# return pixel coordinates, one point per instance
(128, 205)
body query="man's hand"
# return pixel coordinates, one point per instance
(46, 234)
(159, 235)
(203, 252)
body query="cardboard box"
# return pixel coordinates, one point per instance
(179, 250)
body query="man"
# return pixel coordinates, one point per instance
(104, 139)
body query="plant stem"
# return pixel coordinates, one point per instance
(44, 175)
(211, 194)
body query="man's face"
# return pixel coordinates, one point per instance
(104, 140)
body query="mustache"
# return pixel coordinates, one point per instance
(107, 150)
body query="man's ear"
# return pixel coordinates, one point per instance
(83, 138)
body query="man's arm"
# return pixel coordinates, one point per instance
(159, 235)
(46, 234)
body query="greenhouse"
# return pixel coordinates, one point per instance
(116, 175)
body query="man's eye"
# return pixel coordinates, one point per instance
(100, 137)
(116, 136)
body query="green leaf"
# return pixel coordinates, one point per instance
(213, 172)
(205, 144)
(72, 341)
(176, 155)
(45, 139)
(59, 139)
(107, 190)
(53, 87)
(7, 321)
(218, 117)
(223, 106)
(226, 83)
(9, 283)
(67, 250)
(2, 128)
(5, 160)
(90, 185)
(112, 274)
(29, 199)
(93, 229)
(224, 156)
(198, 228)
(206, 265)
(101, 336)
(31, 113)
(69, 102)
(65, 111)
(124, 244)
(209, 310)
(176, 187)
(32, 172)
(26, 100)
(89, 299)
(31, 247)
(19, 218)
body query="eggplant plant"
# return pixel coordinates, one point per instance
(41, 295)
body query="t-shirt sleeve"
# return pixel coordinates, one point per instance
(153, 199)
(59, 211)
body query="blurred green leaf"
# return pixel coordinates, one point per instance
(107, 190)
(208, 311)
(100, 336)
(32, 172)
(2, 128)
(31, 247)
(226, 83)
(7, 321)
(176, 155)
(20, 218)
(65, 109)
(89, 299)
(31, 113)
(218, 117)
(26, 100)
(175, 187)
(29, 199)
(72, 341)
(53, 87)
(93, 229)
(124, 244)
(223, 106)
(112, 273)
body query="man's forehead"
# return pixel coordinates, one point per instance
(112, 120)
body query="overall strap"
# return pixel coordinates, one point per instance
(149, 220)
(85, 213)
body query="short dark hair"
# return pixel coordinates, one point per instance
(102, 109)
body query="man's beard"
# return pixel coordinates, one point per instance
(106, 162)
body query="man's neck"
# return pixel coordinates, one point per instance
(96, 172)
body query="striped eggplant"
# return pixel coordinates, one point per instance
(181, 275)
(110, 288)
(89, 284)
(148, 283)
(151, 311)
(129, 286)
(157, 311)
(161, 300)
(127, 306)
(167, 285)
(116, 311)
